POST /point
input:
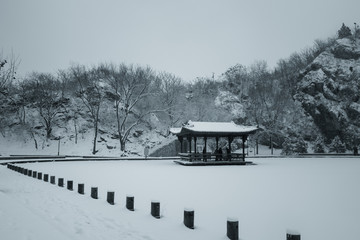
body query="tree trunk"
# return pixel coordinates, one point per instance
(95, 137)
(76, 133)
(122, 144)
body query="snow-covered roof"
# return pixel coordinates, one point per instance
(213, 129)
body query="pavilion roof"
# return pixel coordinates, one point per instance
(213, 129)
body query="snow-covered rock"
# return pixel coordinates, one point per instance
(329, 90)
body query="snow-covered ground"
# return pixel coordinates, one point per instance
(106, 147)
(317, 197)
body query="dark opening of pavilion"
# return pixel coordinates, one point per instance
(189, 134)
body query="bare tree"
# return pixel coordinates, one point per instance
(130, 86)
(43, 92)
(91, 94)
(170, 96)
(8, 66)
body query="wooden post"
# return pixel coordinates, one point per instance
(30, 173)
(244, 137)
(110, 197)
(189, 140)
(292, 236)
(232, 229)
(46, 177)
(155, 209)
(39, 175)
(195, 147)
(189, 218)
(81, 188)
(181, 143)
(205, 144)
(70, 185)
(34, 174)
(94, 192)
(25, 172)
(60, 182)
(130, 202)
(52, 179)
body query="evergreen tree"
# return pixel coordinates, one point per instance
(337, 145)
(319, 145)
(344, 31)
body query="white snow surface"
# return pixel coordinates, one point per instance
(229, 127)
(319, 198)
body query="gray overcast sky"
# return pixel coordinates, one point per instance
(189, 38)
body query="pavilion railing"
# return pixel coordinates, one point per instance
(191, 157)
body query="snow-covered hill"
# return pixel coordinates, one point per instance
(329, 90)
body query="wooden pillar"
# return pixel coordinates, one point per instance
(195, 144)
(244, 137)
(81, 187)
(293, 236)
(130, 202)
(181, 143)
(110, 197)
(205, 141)
(232, 229)
(189, 218)
(155, 209)
(94, 192)
(189, 140)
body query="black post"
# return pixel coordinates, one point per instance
(155, 209)
(29, 173)
(232, 229)
(39, 175)
(34, 174)
(94, 192)
(110, 198)
(52, 179)
(60, 182)
(81, 188)
(25, 172)
(70, 185)
(46, 177)
(130, 202)
(189, 218)
(293, 236)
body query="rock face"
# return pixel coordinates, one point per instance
(329, 91)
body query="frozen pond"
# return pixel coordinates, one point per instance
(317, 197)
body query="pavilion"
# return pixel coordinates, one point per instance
(191, 131)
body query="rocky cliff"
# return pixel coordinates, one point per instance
(329, 91)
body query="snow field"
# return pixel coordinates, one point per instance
(315, 197)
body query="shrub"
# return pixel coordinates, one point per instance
(294, 145)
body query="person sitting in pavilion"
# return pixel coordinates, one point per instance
(220, 152)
